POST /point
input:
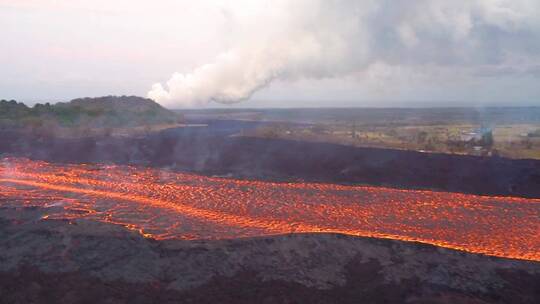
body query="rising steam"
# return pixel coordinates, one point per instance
(321, 39)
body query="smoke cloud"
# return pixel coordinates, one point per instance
(312, 39)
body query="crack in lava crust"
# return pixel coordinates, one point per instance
(162, 204)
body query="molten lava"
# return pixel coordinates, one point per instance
(162, 204)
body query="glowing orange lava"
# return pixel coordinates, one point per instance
(163, 204)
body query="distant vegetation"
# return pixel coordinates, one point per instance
(86, 113)
(507, 132)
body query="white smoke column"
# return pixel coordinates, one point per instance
(323, 38)
(276, 39)
(232, 78)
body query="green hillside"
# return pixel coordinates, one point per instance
(101, 112)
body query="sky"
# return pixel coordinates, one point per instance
(250, 53)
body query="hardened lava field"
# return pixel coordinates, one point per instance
(162, 204)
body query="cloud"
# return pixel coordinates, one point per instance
(228, 51)
(310, 39)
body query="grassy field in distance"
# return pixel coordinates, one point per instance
(507, 132)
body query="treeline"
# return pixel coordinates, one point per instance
(110, 111)
(17, 114)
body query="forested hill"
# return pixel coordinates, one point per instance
(101, 112)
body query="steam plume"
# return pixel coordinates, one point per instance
(320, 39)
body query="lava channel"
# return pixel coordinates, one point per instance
(161, 204)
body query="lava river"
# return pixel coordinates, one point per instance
(162, 204)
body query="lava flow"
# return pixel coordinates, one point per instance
(162, 204)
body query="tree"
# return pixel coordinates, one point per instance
(527, 143)
(487, 139)
(421, 137)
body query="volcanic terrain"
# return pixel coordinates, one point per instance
(203, 214)
(83, 261)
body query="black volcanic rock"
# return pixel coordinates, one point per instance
(52, 261)
(214, 150)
